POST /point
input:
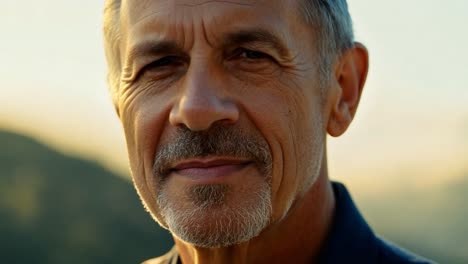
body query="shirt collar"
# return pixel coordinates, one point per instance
(350, 239)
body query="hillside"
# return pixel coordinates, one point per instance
(431, 223)
(59, 209)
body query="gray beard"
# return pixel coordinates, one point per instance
(206, 217)
(215, 215)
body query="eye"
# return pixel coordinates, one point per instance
(161, 68)
(251, 61)
(164, 62)
(249, 55)
(253, 55)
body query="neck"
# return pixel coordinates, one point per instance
(297, 238)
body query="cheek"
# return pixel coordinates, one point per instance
(289, 116)
(144, 117)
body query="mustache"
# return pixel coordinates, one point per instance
(218, 140)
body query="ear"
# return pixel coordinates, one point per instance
(350, 76)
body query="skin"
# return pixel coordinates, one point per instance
(273, 93)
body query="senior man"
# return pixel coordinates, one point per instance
(226, 106)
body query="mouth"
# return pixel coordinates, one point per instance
(209, 170)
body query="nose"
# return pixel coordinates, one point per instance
(203, 102)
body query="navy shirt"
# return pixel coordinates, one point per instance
(350, 240)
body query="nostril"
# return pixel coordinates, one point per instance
(199, 108)
(202, 118)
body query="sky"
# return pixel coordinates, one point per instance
(411, 126)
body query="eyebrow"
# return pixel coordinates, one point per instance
(241, 37)
(256, 36)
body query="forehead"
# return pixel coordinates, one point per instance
(139, 9)
(187, 17)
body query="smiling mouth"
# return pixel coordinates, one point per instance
(209, 170)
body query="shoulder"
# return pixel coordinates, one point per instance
(168, 258)
(391, 253)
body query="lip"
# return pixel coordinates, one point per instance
(209, 170)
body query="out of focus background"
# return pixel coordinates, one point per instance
(65, 191)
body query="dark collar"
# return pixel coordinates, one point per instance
(350, 239)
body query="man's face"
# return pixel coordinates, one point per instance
(222, 108)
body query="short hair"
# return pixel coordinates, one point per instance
(333, 27)
(112, 36)
(330, 20)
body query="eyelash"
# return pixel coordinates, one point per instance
(251, 54)
(165, 62)
(160, 65)
(172, 61)
(248, 54)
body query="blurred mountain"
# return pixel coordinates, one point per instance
(60, 209)
(431, 222)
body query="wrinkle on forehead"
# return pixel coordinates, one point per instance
(137, 10)
(179, 12)
(182, 20)
(242, 3)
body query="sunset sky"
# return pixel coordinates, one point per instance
(412, 124)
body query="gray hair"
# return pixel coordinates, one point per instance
(332, 24)
(330, 20)
(112, 36)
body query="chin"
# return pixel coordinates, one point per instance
(213, 216)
